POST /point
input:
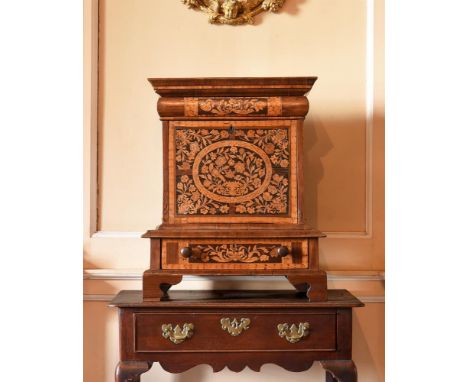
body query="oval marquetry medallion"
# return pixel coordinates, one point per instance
(232, 171)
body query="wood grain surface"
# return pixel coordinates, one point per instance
(234, 254)
(232, 86)
(244, 208)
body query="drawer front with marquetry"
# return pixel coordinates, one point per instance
(240, 331)
(232, 171)
(236, 254)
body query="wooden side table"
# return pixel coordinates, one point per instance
(235, 329)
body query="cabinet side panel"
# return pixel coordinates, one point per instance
(165, 172)
(299, 125)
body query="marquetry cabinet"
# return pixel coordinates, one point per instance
(233, 183)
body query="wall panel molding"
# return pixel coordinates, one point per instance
(90, 114)
(117, 234)
(370, 85)
(369, 100)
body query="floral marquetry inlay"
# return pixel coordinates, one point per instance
(232, 171)
(234, 253)
(242, 253)
(234, 106)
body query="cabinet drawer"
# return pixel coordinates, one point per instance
(215, 254)
(252, 332)
(232, 171)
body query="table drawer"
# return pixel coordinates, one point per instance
(248, 331)
(237, 254)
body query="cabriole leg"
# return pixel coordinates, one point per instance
(340, 371)
(130, 371)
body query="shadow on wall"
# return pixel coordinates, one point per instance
(367, 343)
(314, 133)
(197, 373)
(268, 373)
(94, 339)
(334, 167)
(290, 7)
(100, 340)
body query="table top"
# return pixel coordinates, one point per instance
(277, 299)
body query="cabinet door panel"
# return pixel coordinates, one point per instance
(233, 171)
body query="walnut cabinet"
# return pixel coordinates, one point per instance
(233, 183)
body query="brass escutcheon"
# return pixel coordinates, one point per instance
(177, 335)
(234, 328)
(293, 334)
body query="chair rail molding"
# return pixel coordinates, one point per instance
(136, 274)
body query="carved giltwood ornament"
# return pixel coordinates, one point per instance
(234, 12)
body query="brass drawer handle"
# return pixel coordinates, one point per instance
(234, 328)
(293, 334)
(177, 335)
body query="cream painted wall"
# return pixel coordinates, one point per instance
(148, 38)
(344, 150)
